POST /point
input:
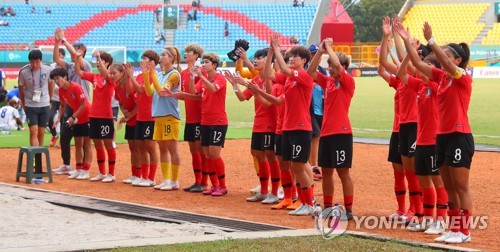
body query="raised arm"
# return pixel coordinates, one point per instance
(231, 79)
(400, 51)
(383, 59)
(129, 70)
(313, 66)
(384, 74)
(268, 69)
(334, 60)
(401, 73)
(415, 59)
(103, 71)
(275, 43)
(446, 63)
(259, 92)
(78, 66)
(55, 53)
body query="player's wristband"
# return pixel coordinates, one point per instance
(431, 41)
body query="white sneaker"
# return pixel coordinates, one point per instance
(281, 193)
(297, 210)
(137, 181)
(130, 180)
(114, 145)
(62, 170)
(257, 197)
(74, 174)
(458, 237)
(445, 236)
(271, 199)
(164, 183)
(84, 175)
(146, 183)
(173, 185)
(108, 178)
(435, 228)
(255, 190)
(306, 210)
(98, 177)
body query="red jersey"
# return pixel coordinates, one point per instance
(408, 111)
(127, 101)
(297, 99)
(144, 102)
(453, 101)
(338, 95)
(427, 110)
(102, 94)
(193, 107)
(73, 97)
(278, 89)
(394, 83)
(265, 118)
(213, 111)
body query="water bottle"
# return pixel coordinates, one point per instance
(39, 181)
(336, 211)
(197, 65)
(94, 56)
(318, 218)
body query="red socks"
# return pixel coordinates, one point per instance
(415, 192)
(86, 166)
(264, 173)
(111, 160)
(212, 172)
(275, 176)
(465, 218)
(101, 158)
(79, 166)
(455, 220)
(204, 171)
(348, 200)
(152, 171)
(287, 183)
(327, 201)
(400, 190)
(197, 166)
(307, 195)
(144, 171)
(429, 200)
(441, 203)
(221, 171)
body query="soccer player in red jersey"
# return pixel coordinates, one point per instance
(454, 140)
(264, 127)
(408, 113)
(336, 144)
(125, 95)
(101, 114)
(297, 127)
(192, 130)
(213, 119)
(145, 122)
(71, 94)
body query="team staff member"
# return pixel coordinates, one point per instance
(101, 115)
(335, 144)
(125, 95)
(454, 141)
(144, 128)
(213, 119)
(71, 94)
(167, 116)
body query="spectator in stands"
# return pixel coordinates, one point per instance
(27, 2)
(295, 3)
(226, 30)
(159, 36)
(10, 11)
(4, 22)
(294, 40)
(3, 10)
(158, 13)
(3, 81)
(190, 15)
(195, 14)
(197, 26)
(48, 10)
(194, 4)
(33, 10)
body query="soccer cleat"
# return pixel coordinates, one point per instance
(444, 237)
(130, 180)
(257, 197)
(74, 174)
(458, 237)
(255, 190)
(53, 141)
(137, 181)
(407, 217)
(188, 189)
(164, 183)
(305, 210)
(316, 174)
(209, 191)
(283, 204)
(435, 228)
(294, 205)
(219, 192)
(396, 216)
(146, 183)
(348, 214)
(173, 185)
(98, 177)
(271, 199)
(296, 210)
(108, 178)
(84, 175)
(198, 189)
(281, 193)
(62, 170)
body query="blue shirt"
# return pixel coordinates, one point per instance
(165, 106)
(12, 93)
(317, 99)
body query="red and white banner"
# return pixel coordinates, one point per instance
(11, 72)
(486, 72)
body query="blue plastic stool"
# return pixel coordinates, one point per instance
(29, 174)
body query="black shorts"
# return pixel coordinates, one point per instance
(115, 112)
(37, 116)
(316, 126)
(144, 130)
(130, 132)
(394, 155)
(192, 132)
(81, 130)
(278, 141)
(101, 128)
(454, 149)
(213, 135)
(296, 145)
(407, 139)
(262, 141)
(335, 151)
(425, 160)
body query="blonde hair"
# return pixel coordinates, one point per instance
(195, 48)
(174, 53)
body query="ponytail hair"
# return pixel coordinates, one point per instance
(460, 51)
(174, 52)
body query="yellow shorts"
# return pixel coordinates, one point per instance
(166, 128)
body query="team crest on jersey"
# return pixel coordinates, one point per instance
(428, 92)
(296, 73)
(72, 95)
